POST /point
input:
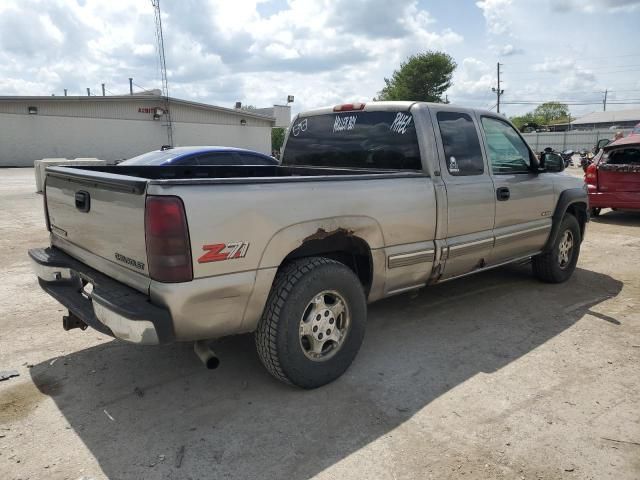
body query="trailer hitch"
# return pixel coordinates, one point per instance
(72, 321)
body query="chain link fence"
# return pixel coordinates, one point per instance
(573, 140)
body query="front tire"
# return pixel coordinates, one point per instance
(313, 323)
(595, 211)
(558, 264)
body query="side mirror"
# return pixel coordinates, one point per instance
(551, 162)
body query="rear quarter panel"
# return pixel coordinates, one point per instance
(390, 215)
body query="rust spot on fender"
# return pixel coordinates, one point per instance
(321, 234)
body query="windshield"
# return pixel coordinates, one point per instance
(157, 157)
(385, 140)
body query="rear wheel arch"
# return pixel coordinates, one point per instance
(337, 237)
(350, 250)
(348, 240)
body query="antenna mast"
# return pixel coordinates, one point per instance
(163, 70)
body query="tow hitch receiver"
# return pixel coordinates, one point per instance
(71, 321)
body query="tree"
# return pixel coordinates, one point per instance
(423, 77)
(545, 114)
(521, 120)
(552, 112)
(277, 138)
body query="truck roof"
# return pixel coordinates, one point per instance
(382, 106)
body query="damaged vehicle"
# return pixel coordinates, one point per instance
(613, 178)
(371, 200)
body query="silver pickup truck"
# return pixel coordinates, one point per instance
(369, 201)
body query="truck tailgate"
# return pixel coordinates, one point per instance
(102, 216)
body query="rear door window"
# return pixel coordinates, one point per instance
(152, 158)
(188, 160)
(460, 143)
(358, 139)
(219, 158)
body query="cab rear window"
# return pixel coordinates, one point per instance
(384, 140)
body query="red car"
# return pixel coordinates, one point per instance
(613, 179)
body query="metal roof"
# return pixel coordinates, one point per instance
(621, 142)
(632, 115)
(135, 97)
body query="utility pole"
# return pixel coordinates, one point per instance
(604, 100)
(130, 86)
(88, 92)
(103, 89)
(497, 90)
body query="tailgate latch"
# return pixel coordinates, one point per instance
(83, 201)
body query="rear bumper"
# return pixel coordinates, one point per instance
(111, 307)
(628, 200)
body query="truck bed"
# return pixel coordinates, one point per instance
(137, 177)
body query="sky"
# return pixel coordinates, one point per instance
(325, 52)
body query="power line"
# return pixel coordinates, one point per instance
(578, 58)
(538, 102)
(569, 66)
(141, 87)
(538, 73)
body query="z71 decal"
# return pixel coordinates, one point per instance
(223, 251)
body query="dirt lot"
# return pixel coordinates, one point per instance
(493, 376)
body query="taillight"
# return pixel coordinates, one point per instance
(348, 107)
(591, 175)
(46, 206)
(167, 234)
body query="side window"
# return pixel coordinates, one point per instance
(627, 156)
(248, 159)
(190, 160)
(221, 158)
(507, 152)
(461, 144)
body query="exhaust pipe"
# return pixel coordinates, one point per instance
(207, 356)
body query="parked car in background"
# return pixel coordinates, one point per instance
(613, 178)
(201, 156)
(636, 130)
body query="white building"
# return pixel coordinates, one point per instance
(119, 127)
(618, 119)
(282, 114)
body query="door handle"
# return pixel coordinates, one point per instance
(83, 201)
(503, 194)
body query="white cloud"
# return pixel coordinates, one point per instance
(473, 77)
(595, 6)
(508, 50)
(323, 52)
(217, 51)
(494, 12)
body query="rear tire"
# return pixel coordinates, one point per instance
(313, 324)
(557, 265)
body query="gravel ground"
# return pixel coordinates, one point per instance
(492, 376)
